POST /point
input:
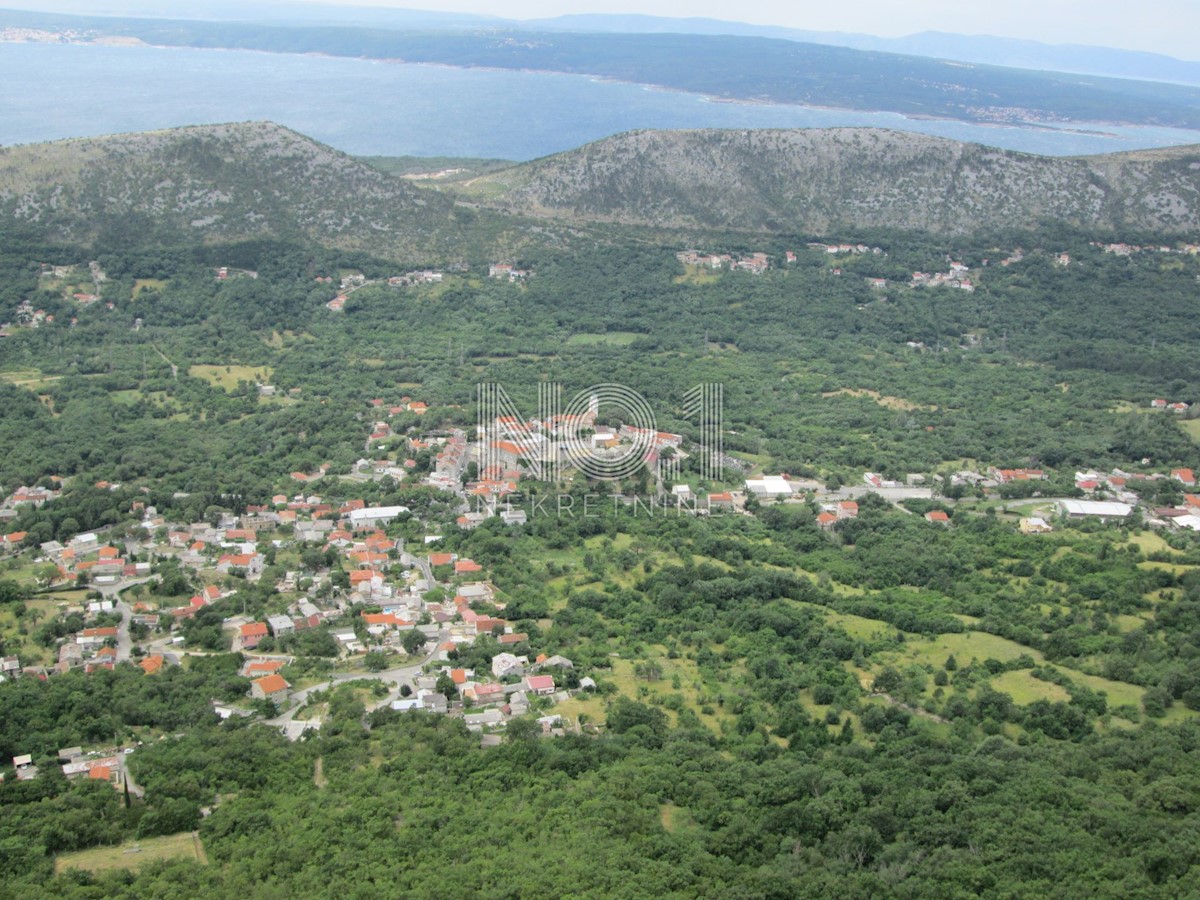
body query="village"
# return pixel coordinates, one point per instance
(403, 612)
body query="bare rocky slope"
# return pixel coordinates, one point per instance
(821, 181)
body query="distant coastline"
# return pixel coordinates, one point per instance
(395, 107)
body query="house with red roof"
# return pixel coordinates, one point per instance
(720, 500)
(252, 634)
(259, 668)
(539, 684)
(484, 694)
(1185, 477)
(366, 578)
(270, 687)
(252, 563)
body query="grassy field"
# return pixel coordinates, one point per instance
(227, 377)
(147, 284)
(1025, 689)
(1149, 542)
(698, 275)
(1173, 568)
(133, 855)
(673, 817)
(618, 338)
(978, 645)
(691, 688)
(855, 626)
(30, 379)
(1192, 427)
(1131, 623)
(887, 402)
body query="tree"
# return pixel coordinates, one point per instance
(412, 642)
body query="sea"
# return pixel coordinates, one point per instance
(380, 108)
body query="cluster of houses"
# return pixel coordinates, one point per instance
(1130, 249)
(1178, 407)
(507, 271)
(355, 280)
(423, 276)
(756, 262)
(98, 765)
(841, 249)
(35, 496)
(85, 558)
(956, 277)
(1105, 496)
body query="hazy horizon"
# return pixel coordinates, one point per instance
(1165, 26)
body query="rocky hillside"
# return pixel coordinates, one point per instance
(220, 183)
(820, 181)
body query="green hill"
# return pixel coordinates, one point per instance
(822, 180)
(219, 183)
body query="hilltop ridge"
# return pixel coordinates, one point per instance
(247, 181)
(219, 183)
(822, 180)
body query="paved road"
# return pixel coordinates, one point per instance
(894, 495)
(397, 677)
(113, 592)
(422, 563)
(134, 788)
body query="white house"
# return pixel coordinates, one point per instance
(374, 516)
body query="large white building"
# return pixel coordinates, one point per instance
(1104, 509)
(769, 486)
(375, 515)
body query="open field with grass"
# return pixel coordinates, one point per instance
(697, 275)
(133, 855)
(855, 626)
(30, 379)
(882, 400)
(1025, 689)
(227, 377)
(147, 284)
(1149, 542)
(1173, 568)
(979, 646)
(618, 338)
(692, 688)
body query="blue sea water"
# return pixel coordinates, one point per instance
(372, 107)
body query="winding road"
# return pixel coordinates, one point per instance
(397, 677)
